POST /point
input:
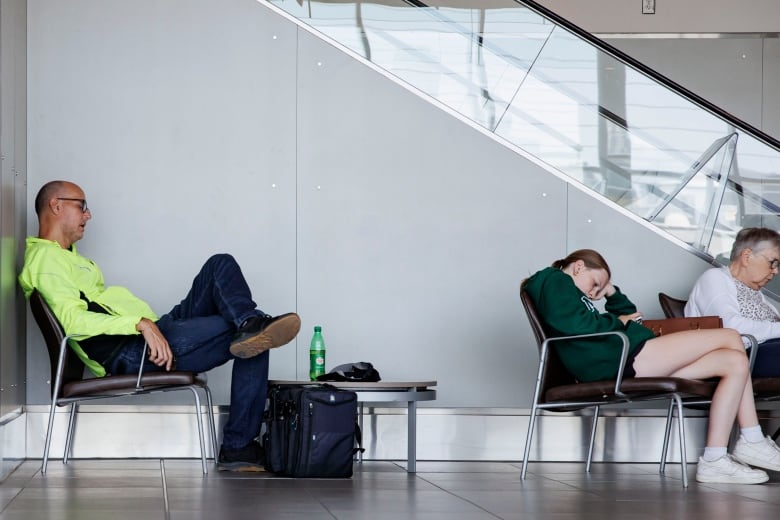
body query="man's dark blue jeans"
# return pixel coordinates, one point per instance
(199, 331)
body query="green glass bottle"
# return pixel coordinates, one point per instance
(316, 354)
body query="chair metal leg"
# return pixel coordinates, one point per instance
(534, 411)
(528, 438)
(681, 427)
(74, 409)
(47, 442)
(592, 438)
(667, 434)
(199, 420)
(212, 424)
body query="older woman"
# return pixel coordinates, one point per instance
(563, 295)
(734, 294)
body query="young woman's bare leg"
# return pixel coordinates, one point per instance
(700, 355)
(664, 355)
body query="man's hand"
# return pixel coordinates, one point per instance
(159, 351)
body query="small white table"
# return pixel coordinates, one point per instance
(409, 392)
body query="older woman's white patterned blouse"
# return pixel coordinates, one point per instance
(752, 306)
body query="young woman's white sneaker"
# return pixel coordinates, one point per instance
(726, 470)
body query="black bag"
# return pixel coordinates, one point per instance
(311, 431)
(360, 372)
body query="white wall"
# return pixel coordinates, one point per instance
(198, 126)
(178, 120)
(195, 127)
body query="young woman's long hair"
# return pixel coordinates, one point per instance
(592, 260)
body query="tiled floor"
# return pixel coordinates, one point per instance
(154, 489)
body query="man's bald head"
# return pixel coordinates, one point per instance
(47, 192)
(62, 212)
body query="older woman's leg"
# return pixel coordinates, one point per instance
(768, 359)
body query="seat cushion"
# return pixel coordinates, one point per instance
(126, 383)
(766, 387)
(637, 388)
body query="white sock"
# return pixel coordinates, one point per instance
(712, 454)
(752, 434)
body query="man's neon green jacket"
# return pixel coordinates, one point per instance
(68, 282)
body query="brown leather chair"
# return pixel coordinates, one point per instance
(764, 388)
(70, 387)
(557, 390)
(672, 307)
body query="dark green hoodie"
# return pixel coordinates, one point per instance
(567, 311)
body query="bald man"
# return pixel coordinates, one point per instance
(215, 323)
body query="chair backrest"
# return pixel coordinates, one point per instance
(555, 373)
(73, 369)
(672, 307)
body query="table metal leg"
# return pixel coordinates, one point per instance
(362, 433)
(411, 438)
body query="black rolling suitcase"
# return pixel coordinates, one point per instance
(310, 431)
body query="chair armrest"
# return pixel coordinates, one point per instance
(64, 344)
(141, 368)
(753, 349)
(623, 353)
(61, 364)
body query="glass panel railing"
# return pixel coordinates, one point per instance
(576, 104)
(432, 52)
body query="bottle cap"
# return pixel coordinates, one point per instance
(317, 328)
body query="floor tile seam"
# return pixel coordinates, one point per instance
(8, 504)
(571, 485)
(320, 502)
(22, 485)
(456, 496)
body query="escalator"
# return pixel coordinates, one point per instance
(577, 104)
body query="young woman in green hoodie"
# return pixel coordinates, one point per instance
(564, 294)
